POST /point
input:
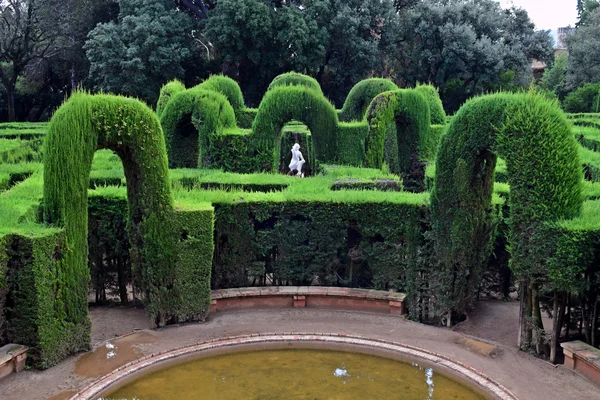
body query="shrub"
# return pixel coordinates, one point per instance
(228, 88)
(436, 109)
(189, 121)
(166, 93)
(285, 103)
(399, 120)
(534, 137)
(361, 95)
(78, 128)
(295, 78)
(584, 99)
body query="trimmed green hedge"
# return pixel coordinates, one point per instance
(296, 79)
(436, 108)
(78, 128)
(166, 93)
(285, 103)
(534, 137)
(399, 120)
(360, 97)
(190, 120)
(351, 142)
(38, 317)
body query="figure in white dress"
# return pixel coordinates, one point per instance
(297, 161)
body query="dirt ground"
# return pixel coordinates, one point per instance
(486, 341)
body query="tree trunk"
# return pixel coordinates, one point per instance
(10, 101)
(122, 279)
(525, 327)
(568, 317)
(73, 77)
(558, 314)
(538, 326)
(594, 319)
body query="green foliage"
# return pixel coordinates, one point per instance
(467, 48)
(166, 93)
(555, 77)
(228, 88)
(294, 78)
(361, 95)
(436, 109)
(81, 126)
(399, 119)
(586, 99)
(583, 66)
(285, 103)
(191, 119)
(351, 139)
(534, 137)
(148, 46)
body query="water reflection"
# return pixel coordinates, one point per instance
(295, 374)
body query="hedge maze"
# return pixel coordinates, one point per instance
(114, 199)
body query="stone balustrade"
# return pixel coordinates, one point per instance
(12, 358)
(582, 358)
(379, 301)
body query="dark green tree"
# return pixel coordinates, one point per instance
(255, 41)
(584, 52)
(467, 47)
(144, 49)
(584, 9)
(555, 77)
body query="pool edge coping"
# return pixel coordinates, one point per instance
(472, 375)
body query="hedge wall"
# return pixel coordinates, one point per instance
(78, 128)
(544, 175)
(360, 97)
(190, 120)
(166, 93)
(436, 108)
(285, 103)
(296, 79)
(351, 138)
(399, 120)
(200, 129)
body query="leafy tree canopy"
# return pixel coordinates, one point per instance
(145, 48)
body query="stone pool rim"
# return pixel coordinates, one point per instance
(474, 379)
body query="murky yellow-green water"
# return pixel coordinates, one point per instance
(294, 374)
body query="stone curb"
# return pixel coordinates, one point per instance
(492, 387)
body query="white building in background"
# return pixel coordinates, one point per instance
(560, 47)
(561, 39)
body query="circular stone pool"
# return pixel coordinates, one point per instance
(295, 366)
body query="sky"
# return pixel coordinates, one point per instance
(547, 14)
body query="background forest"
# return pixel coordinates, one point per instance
(133, 47)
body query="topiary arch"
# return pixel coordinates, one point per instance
(79, 127)
(398, 135)
(534, 137)
(361, 95)
(285, 103)
(296, 79)
(188, 120)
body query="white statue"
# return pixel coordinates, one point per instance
(297, 161)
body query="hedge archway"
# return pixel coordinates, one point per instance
(285, 103)
(82, 125)
(361, 95)
(208, 111)
(534, 137)
(296, 79)
(398, 135)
